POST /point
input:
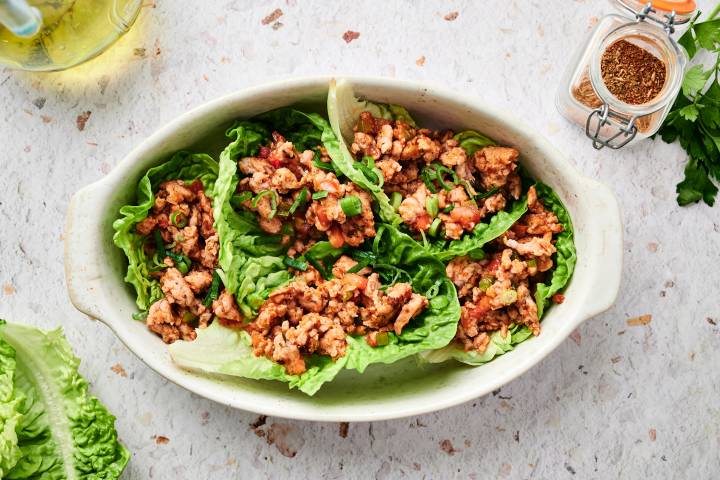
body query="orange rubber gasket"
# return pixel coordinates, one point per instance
(683, 7)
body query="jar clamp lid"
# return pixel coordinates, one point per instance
(624, 117)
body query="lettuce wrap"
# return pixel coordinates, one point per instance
(564, 261)
(183, 166)
(222, 350)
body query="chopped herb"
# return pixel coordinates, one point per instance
(485, 283)
(449, 208)
(273, 202)
(295, 263)
(434, 226)
(239, 198)
(301, 198)
(179, 223)
(159, 244)
(213, 291)
(396, 200)
(431, 205)
(351, 205)
(369, 161)
(490, 192)
(319, 195)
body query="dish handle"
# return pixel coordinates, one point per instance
(606, 247)
(83, 255)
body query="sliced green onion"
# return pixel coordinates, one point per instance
(449, 208)
(485, 283)
(381, 178)
(188, 317)
(273, 202)
(287, 229)
(396, 200)
(431, 205)
(426, 176)
(439, 178)
(319, 195)
(351, 205)
(359, 266)
(159, 244)
(434, 226)
(490, 192)
(369, 161)
(437, 303)
(318, 266)
(299, 200)
(532, 263)
(322, 165)
(295, 263)
(238, 199)
(174, 219)
(382, 339)
(213, 291)
(369, 173)
(508, 297)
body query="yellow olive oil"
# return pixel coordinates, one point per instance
(72, 32)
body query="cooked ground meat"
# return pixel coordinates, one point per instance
(182, 216)
(408, 159)
(496, 292)
(280, 176)
(314, 316)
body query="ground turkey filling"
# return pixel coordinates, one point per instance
(296, 194)
(182, 217)
(411, 160)
(496, 292)
(313, 316)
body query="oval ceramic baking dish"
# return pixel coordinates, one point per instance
(95, 267)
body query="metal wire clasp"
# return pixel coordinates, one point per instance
(627, 128)
(668, 24)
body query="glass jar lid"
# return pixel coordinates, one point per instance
(660, 11)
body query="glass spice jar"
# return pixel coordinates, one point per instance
(623, 80)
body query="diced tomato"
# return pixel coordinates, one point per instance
(493, 265)
(264, 152)
(423, 222)
(196, 186)
(558, 298)
(471, 314)
(355, 281)
(163, 221)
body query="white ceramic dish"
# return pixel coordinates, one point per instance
(95, 267)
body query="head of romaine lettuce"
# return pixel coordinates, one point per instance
(57, 430)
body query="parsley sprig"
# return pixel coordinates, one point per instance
(695, 117)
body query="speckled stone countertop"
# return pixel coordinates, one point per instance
(617, 400)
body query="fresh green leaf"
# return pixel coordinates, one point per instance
(565, 257)
(64, 432)
(498, 345)
(9, 410)
(694, 80)
(707, 34)
(696, 186)
(689, 112)
(472, 141)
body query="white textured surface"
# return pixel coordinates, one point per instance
(587, 411)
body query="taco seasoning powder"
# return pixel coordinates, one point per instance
(631, 73)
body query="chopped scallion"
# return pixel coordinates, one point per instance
(396, 200)
(485, 283)
(351, 205)
(301, 198)
(434, 226)
(180, 222)
(239, 198)
(213, 291)
(431, 205)
(295, 263)
(319, 195)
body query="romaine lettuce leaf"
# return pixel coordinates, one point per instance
(343, 110)
(498, 345)
(566, 255)
(64, 432)
(9, 410)
(472, 141)
(183, 166)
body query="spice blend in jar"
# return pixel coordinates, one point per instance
(631, 73)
